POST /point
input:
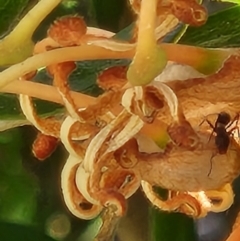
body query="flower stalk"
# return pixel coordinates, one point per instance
(198, 58)
(150, 59)
(18, 45)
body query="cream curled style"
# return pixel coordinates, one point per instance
(108, 161)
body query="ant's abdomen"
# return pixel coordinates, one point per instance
(222, 143)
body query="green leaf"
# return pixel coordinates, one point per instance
(18, 199)
(163, 223)
(126, 33)
(232, 1)
(91, 231)
(171, 226)
(13, 232)
(111, 14)
(11, 163)
(10, 12)
(18, 188)
(10, 108)
(220, 31)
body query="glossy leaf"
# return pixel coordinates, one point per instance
(10, 13)
(171, 226)
(18, 188)
(111, 15)
(232, 1)
(13, 232)
(220, 31)
(10, 108)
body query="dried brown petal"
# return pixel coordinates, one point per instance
(153, 97)
(189, 12)
(183, 135)
(113, 78)
(61, 73)
(182, 202)
(183, 169)
(144, 102)
(126, 158)
(103, 104)
(125, 181)
(222, 199)
(200, 97)
(49, 126)
(76, 136)
(74, 200)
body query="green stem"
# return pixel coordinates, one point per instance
(18, 45)
(150, 59)
(26, 27)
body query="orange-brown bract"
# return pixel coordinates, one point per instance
(44, 146)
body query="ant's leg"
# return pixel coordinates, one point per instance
(236, 118)
(210, 136)
(205, 118)
(202, 122)
(230, 132)
(213, 155)
(211, 125)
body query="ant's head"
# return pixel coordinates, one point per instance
(223, 118)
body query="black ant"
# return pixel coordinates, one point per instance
(220, 128)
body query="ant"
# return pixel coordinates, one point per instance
(220, 128)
